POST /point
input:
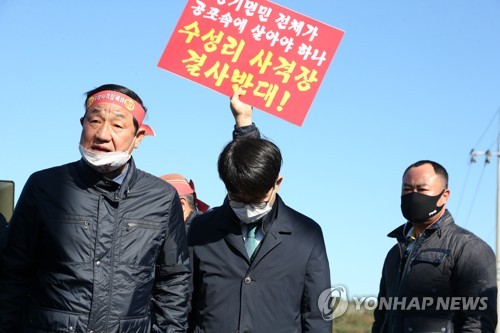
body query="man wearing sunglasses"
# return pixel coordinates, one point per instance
(257, 264)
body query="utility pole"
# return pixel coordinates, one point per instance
(487, 160)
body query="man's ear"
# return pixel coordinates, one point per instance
(139, 136)
(184, 202)
(278, 182)
(444, 198)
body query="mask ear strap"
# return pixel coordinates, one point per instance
(131, 145)
(439, 197)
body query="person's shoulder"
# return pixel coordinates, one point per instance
(154, 181)
(206, 226)
(208, 218)
(457, 231)
(393, 252)
(58, 168)
(53, 171)
(211, 220)
(298, 220)
(464, 238)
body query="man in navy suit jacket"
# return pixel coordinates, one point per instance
(258, 265)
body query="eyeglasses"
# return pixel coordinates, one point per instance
(256, 205)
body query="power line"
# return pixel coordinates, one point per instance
(490, 147)
(459, 205)
(495, 114)
(474, 154)
(475, 196)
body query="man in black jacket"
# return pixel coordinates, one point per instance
(439, 277)
(97, 245)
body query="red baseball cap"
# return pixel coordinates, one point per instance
(184, 187)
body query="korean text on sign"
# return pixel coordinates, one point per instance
(279, 57)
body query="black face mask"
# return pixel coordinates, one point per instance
(418, 208)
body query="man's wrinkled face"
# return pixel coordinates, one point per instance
(109, 128)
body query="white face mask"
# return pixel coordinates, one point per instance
(105, 162)
(249, 214)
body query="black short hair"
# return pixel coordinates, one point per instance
(438, 169)
(116, 87)
(250, 167)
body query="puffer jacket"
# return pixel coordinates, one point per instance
(445, 283)
(85, 254)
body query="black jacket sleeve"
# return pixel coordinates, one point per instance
(317, 280)
(173, 274)
(379, 313)
(17, 261)
(245, 132)
(475, 279)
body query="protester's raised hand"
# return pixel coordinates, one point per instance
(242, 112)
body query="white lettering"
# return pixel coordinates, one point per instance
(443, 303)
(401, 303)
(372, 301)
(483, 301)
(413, 304)
(358, 302)
(470, 303)
(455, 303)
(385, 303)
(427, 301)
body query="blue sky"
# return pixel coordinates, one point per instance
(410, 80)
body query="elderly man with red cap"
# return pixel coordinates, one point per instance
(97, 245)
(191, 205)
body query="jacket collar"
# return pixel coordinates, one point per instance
(400, 232)
(106, 185)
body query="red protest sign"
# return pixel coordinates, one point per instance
(279, 57)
